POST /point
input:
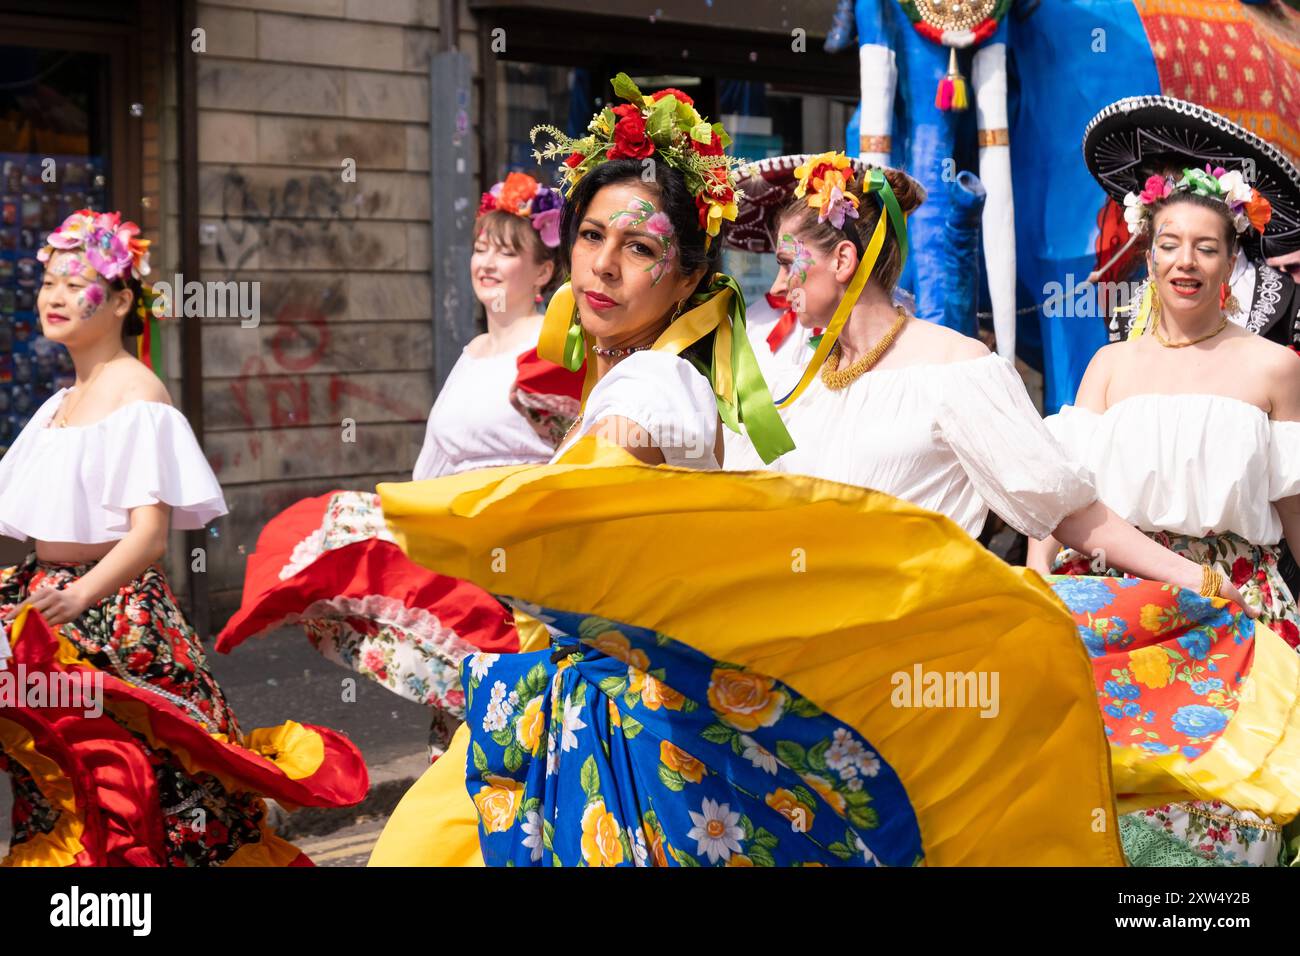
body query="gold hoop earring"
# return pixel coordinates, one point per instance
(678, 314)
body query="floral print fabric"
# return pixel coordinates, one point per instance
(140, 636)
(1170, 673)
(405, 649)
(623, 747)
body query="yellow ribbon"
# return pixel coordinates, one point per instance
(689, 327)
(841, 316)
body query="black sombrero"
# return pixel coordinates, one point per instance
(1140, 136)
(768, 184)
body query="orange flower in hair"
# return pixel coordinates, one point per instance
(1259, 211)
(517, 190)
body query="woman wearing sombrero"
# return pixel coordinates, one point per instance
(739, 668)
(1192, 432)
(1136, 138)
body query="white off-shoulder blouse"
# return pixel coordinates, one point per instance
(473, 425)
(957, 438)
(78, 484)
(1187, 464)
(667, 397)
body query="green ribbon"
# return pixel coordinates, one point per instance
(879, 184)
(575, 346)
(753, 406)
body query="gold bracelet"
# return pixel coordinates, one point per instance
(1211, 581)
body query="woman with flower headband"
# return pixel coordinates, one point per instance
(160, 774)
(328, 563)
(722, 707)
(1205, 460)
(481, 419)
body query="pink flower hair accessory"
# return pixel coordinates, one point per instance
(112, 247)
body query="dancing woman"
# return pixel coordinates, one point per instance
(328, 563)
(914, 409)
(1192, 433)
(666, 728)
(160, 774)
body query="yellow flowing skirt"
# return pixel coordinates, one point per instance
(857, 600)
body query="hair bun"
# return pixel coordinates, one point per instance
(907, 190)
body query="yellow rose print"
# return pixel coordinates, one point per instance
(745, 701)
(531, 724)
(601, 845)
(618, 647)
(677, 759)
(654, 842)
(787, 804)
(826, 792)
(656, 694)
(498, 802)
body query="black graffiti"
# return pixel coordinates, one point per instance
(298, 216)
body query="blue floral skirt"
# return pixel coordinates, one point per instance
(634, 749)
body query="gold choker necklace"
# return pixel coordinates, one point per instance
(1182, 345)
(835, 378)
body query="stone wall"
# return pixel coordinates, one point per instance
(287, 91)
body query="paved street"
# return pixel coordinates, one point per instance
(350, 846)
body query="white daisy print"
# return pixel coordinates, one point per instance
(532, 828)
(757, 755)
(717, 830)
(640, 854)
(480, 664)
(572, 724)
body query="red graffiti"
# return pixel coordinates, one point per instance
(298, 344)
(340, 386)
(301, 339)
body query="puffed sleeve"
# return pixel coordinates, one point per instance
(152, 457)
(1019, 469)
(1074, 428)
(667, 397)
(1283, 460)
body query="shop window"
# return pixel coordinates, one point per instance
(53, 161)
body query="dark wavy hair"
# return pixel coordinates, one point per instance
(132, 325)
(677, 204)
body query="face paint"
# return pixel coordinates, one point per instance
(800, 258)
(661, 227)
(642, 212)
(73, 264)
(88, 300)
(637, 212)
